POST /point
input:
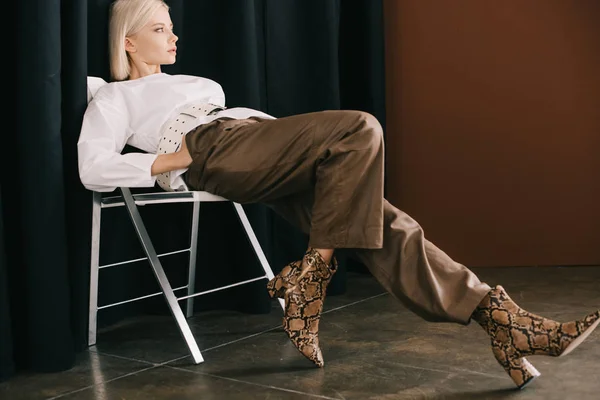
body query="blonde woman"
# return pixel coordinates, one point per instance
(321, 171)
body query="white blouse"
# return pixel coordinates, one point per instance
(134, 112)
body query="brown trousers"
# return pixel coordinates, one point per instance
(323, 172)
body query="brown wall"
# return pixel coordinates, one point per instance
(493, 129)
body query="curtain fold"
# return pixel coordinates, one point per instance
(34, 208)
(6, 352)
(77, 200)
(281, 57)
(303, 56)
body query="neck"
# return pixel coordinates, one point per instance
(139, 71)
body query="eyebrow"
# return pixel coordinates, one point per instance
(161, 24)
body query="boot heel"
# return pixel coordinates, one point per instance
(520, 370)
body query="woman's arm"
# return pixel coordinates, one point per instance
(104, 134)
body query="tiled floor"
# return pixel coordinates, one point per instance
(374, 349)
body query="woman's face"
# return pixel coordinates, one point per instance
(155, 43)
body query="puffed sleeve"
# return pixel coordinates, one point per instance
(103, 136)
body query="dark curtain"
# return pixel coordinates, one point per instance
(283, 57)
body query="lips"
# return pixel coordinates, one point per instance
(173, 50)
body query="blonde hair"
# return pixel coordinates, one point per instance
(127, 17)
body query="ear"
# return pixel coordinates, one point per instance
(129, 45)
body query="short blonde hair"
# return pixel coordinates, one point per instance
(127, 17)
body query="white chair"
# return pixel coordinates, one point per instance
(131, 202)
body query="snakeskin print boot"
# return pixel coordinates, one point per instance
(516, 333)
(287, 278)
(303, 285)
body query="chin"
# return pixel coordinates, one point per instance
(170, 59)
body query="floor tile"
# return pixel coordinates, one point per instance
(167, 383)
(90, 368)
(157, 339)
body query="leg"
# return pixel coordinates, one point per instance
(419, 274)
(435, 287)
(408, 266)
(336, 156)
(324, 173)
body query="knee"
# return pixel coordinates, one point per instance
(367, 119)
(370, 128)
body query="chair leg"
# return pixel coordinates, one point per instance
(189, 310)
(256, 245)
(161, 277)
(94, 268)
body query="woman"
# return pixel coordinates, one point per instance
(321, 171)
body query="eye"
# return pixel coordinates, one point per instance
(159, 30)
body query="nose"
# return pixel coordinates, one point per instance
(174, 38)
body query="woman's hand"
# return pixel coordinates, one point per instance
(172, 161)
(186, 158)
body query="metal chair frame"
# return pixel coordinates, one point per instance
(131, 202)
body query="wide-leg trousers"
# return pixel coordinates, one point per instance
(324, 173)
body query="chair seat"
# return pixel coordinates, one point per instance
(142, 199)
